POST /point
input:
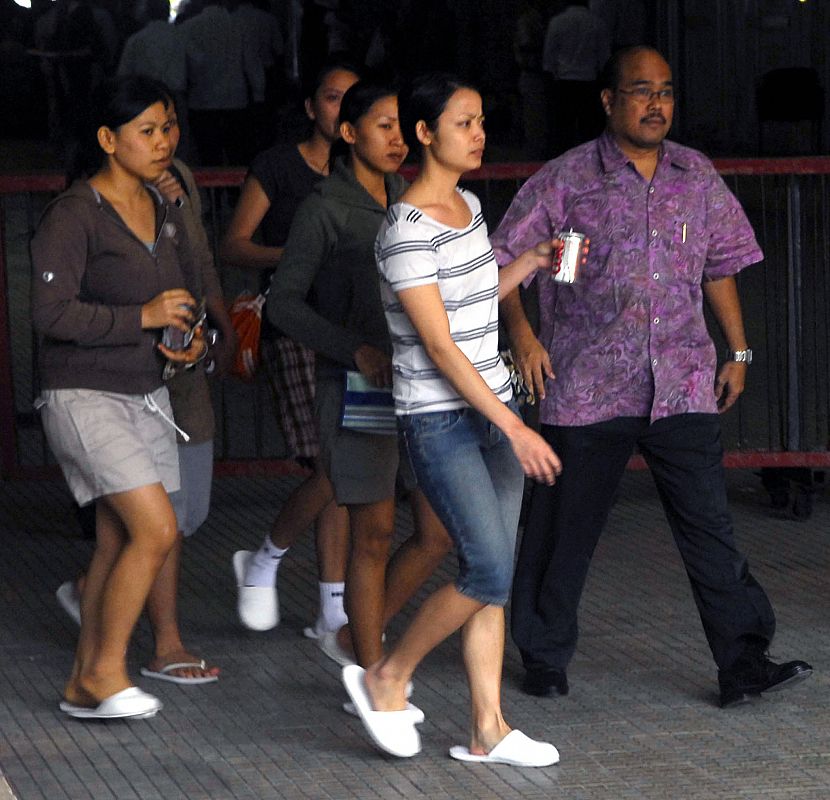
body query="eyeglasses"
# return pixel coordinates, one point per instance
(645, 95)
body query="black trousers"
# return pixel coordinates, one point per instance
(564, 522)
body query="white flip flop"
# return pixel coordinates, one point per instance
(163, 674)
(515, 749)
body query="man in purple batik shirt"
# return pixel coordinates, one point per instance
(634, 365)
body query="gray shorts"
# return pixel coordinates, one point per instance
(106, 442)
(362, 467)
(192, 502)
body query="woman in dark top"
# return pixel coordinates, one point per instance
(278, 181)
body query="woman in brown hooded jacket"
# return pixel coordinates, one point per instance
(112, 267)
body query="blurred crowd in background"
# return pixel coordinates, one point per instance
(235, 63)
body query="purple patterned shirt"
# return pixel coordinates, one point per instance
(629, 337)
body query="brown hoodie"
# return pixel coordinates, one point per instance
(90, 277)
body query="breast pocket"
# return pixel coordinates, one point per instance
(689, 244)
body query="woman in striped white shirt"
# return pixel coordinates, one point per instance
(470, 450)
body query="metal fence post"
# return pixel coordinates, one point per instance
(8, 434)
(794, 280)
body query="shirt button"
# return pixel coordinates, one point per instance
(651, 190)
(657, 320)
(48, 276)
(656, 276)
(653, 362)
(654, 232)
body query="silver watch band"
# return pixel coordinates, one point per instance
(741, 356)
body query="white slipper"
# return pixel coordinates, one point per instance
(70, 600)
(131, 702)
(417, 715)
(313, 631)
(392, 731)
(163, 674)
(328, 643)
(515, 749)
(257, 606)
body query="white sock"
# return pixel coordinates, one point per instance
(262, 568)
(332, 614)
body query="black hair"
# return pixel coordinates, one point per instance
(115, 102)
(425, 98)
(611, 74)
(312, 86)
(356, 102)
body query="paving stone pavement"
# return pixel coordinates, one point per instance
(641, 720)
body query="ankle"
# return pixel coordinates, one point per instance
(489, 728)
(387, 672)
(169, 647)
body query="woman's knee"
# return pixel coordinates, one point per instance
(372, 529)
(149, 519)
(433, 539)
(372, 543)
(161, 535)
(430, 533)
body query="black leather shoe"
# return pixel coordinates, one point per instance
(543, 682)
(753, 675)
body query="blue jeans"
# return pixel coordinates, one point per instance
(468, 472)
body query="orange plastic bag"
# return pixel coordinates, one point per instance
(246, 317)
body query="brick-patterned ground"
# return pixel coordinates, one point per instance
(640, 722)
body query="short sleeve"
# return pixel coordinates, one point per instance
(535, 214)
(263, 169)
(732, 243)
(406, 256)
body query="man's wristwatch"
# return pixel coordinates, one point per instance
(741, 356)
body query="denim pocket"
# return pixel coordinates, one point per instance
(434, 423)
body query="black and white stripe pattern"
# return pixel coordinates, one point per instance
(413, 249)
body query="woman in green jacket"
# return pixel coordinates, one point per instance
(326, 296)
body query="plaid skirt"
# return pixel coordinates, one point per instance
(289, 367)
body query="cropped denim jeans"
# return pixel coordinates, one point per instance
(468, 471)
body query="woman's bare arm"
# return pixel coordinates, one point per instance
(238, 248)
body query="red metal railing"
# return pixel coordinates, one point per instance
(789, 172)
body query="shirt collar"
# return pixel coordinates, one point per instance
(613, 159)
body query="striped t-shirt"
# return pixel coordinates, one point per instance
(412, 249)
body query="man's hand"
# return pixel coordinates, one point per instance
(729, 384)
(532, 361)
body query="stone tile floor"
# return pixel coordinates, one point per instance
(641, 720)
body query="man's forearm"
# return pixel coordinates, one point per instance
(722, 296)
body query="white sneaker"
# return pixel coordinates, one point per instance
(257, 606)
